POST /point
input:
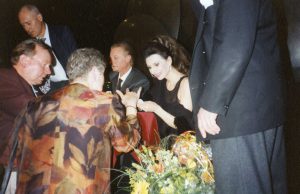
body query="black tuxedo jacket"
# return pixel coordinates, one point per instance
(235, 68)
(62, 42)
(134, 80)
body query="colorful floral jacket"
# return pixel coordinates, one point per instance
(65, 141)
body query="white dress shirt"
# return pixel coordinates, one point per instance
(59, 72)
(123, 77)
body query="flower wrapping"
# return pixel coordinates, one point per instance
(184, 168)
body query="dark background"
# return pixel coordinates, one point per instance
(97, 23)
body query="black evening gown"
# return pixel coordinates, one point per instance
(169, 101)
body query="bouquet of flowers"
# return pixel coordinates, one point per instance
(185, 168)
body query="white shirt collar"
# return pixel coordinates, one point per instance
(206, 3)
(46, 36)
(124, 77)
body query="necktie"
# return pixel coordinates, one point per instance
(119, 84)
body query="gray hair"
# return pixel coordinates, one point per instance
(28, 48)
(82, 61)
(31, 8)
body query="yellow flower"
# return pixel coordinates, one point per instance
(158, 168)
(191, 164)
(207, 177)
(140, 187)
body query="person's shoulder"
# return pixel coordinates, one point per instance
(58, 28)
(184, 81)
(47, 104)
(138, 74)
(4, 70)
(184, 84)
(106, 99)
(8, 74)
(113, 74)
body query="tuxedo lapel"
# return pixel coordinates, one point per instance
(128, 80)
(58, 44)
(202, 49)
(114, 80)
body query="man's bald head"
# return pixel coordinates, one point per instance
(32, 21)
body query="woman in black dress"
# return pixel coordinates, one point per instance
(168, 62)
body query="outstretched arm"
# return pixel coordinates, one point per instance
(125, 131)
(150, 106)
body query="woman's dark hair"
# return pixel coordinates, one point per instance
(166, 46)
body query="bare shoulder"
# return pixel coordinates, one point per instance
(184, 85)
(184, 95)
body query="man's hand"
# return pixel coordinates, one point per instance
(207, 122)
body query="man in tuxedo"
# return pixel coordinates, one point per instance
(59, 38)
(124, 75)
(31, 60)
(236, 88)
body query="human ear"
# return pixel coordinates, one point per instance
(24, 60)
(40, 17)
(169, 60)
(128, 59)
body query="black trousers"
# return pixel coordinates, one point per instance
(250, 164)
(120, 181)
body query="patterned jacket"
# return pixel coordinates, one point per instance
(65, 141)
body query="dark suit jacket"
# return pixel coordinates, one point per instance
(62, 42)
(15, 93)
(134, 80)
(235, 68)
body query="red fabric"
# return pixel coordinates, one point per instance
(149, 133)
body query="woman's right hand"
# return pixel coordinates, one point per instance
(147, 106)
